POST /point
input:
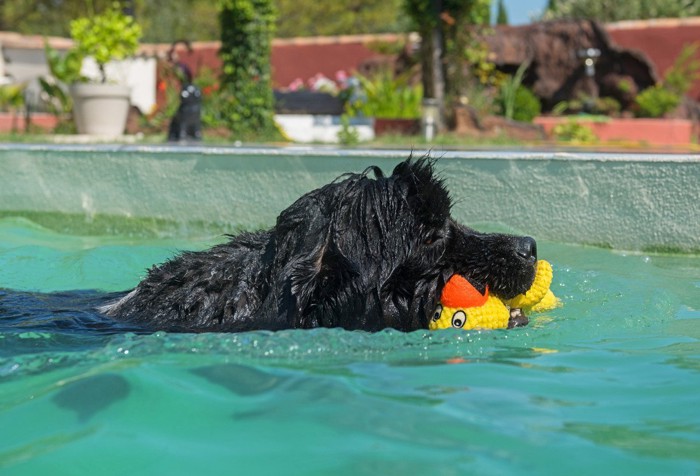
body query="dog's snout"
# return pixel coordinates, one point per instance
(527, 248)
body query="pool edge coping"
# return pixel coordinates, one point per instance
(325, 151)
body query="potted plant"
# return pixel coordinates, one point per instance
(394, 104)
(101, 107)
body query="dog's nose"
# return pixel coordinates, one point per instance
(527, 248)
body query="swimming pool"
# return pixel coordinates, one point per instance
(607, 383)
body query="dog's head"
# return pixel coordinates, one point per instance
(363, 253)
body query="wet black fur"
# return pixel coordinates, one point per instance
(359, 253)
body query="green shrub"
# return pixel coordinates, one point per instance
(659, 100)
(12, 97)
(347, 135)
(656, 101)
(625, 86)
(12, 100)
(65, 70)
(388, 97)
(526, 105)
(64, 67)
(560, 108)
(515, 100)
(572, 131)
(583, 103)
(508, 90)
(608, 106)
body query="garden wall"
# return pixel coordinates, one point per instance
(660, 40)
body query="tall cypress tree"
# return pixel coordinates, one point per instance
(502, 17)
(247, 27)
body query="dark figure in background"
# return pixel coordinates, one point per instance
(186, 124)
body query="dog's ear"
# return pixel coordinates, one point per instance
(425, 192)
(316, 278)
(311, 266)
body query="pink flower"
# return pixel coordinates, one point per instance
(341, 76)
(314, 79)
(296, 85)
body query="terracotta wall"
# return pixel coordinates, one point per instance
(300, 57)
(661, 40)
(305, 57)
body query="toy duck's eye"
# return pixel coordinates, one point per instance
(438, 311)
(459, 318)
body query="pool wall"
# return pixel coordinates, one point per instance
(624, 201)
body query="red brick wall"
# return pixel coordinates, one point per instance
(300, 57)
(303, 58)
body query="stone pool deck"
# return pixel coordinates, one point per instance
(645, 202)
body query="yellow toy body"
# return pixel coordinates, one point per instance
(479, 311)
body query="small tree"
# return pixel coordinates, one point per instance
(616, 11)
(247, 27)
(502, 15)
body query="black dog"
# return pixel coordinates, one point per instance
(359, 253)
(187, 121)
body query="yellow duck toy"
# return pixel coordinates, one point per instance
(462, 306)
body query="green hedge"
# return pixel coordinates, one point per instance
(247, 101)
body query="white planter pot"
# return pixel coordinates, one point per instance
(100, 109)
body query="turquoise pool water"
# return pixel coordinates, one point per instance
(608, 384)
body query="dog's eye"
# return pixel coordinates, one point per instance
(433, 238)
(438, 311)
(459, 318)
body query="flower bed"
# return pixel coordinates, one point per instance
(651, 131)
